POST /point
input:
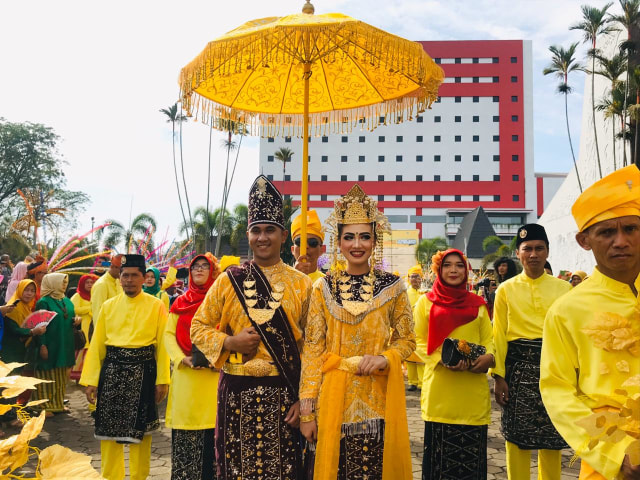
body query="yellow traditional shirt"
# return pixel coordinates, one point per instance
(414, 295)
(387, 325)
(519, 309)
(129, 323)
(461, 398)
(170, 279)
(316, 275)
(193, 394)
(106, 287)
(585, 358)
(82, 308)
(221, 313)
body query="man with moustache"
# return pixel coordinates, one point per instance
(521, 304)
(315, 238)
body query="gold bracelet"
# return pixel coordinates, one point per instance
(308, 418)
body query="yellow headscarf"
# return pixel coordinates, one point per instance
(22, 310)
(616, 195)
(227, 260)
(314, 226)
(580, 273)
(54, 285)
(415, 269)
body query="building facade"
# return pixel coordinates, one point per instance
(473, 148)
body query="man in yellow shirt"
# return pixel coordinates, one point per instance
(126, 373)
(259, 310)
(315, 238)
(106, 287)
(590, 367)
(415, 366)
(520, 306)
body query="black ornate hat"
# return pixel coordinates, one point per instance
(531, 231)
(265, 203)
(131, 260)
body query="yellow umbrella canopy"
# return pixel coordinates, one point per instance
(308, 74)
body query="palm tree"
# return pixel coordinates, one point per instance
(115, 233)
(240, 220)
(289, 210)
(495, 248)
(629, 19)
(427, 248)
(284, 155)
(594, 23)
(635, 110)
(563, 63)
(205, 225)
(173, 117)
(612, 68)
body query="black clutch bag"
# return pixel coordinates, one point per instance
(454, 350)
(197, 358)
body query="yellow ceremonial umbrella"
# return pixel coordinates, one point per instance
(309, 74)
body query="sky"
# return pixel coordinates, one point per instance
(99, 72)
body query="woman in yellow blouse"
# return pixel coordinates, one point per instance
(82, 304)
(456, 403)
(191, 408)
(359, 329)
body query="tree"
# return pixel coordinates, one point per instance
(289, 211)
(594, 22)
(240, 219)
(116, 234)
(629, 19)
(495, 248)
(635, 111)
(563, 63)
(427, 248)
(173, 117)
(285, 155)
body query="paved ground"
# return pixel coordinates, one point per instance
(75, 431)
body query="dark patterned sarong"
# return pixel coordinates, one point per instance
(525, 421)
(193, 455)
(361, 452)
(454, 452)
(126, 407)
(253, 442)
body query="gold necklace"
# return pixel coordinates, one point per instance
(251, 297)
(365, 291)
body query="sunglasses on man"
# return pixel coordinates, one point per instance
(311, 242)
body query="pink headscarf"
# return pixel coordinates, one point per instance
(19, 274)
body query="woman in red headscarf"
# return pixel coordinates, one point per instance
(191, 408)
(82, 304)
(456, 403)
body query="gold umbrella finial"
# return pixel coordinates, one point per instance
(308, 8)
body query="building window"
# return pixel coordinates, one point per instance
(398, 178)
(361, 178)
(458, 80)
(323, 198)
(345, 139)
(361, 158)
(514, 98)
(323, 178)
(309, 140)
(496, 138)
(476, 138)
(516, 198)
(418, 158)
(418, 178)
(381, 178)
(476, 198)
(270, 139)
(436, 178)
(270, 158)
(343, 158)
(398, 198)
(458, 158)
(515, 178)
(419, 198)
(496, 118)
(458, 119)
(398, 158)
(380, 198)
(437, 119)
(381, 139)
(514, 59)
(324, 159)
(476, 60)
(270, 177)
(361, 139)
(458, 178)
(325, 139)
(476, 99)
(496, 178)
(496, 99)
(514, 118)
(380, 158)
(476, 118)
(496, 79)
(496, 198)
(436, 138)
(514, 79)
(287, 139)
(496, 158)
(515, 158)
(419, 139)
(458, 60)
(437, 100)
(514, 138)
(343, 178)
(476, 158)
(399, 139)
(458, 99)
(436, 198)
(476, 178)
(436, 158)
(419, 119)
(458, 138)
(437, 60)
(495, 60)
(476, 79)
(381, 120)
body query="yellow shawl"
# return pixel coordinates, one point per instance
(22, 310)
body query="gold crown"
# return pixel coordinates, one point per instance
(355, 207)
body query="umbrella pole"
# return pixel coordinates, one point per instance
(305, 163)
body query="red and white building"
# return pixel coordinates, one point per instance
(474, 147)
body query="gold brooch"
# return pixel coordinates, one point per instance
(523, 233)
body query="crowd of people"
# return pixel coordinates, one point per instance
(285, 372)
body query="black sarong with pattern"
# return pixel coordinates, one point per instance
(361, 451)
(126, 407)
(253, 442)
(525, 421)
(193, 455)
(454, 452)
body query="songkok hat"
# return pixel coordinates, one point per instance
(227, 260)
(314, 227)
(265, 203)
(133, 260)
(531, 231)
(415, 269)
(616, 195)
(579, 273)
(116, 260)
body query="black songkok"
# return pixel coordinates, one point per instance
(131, 260)
(265, 203)
(531, 231)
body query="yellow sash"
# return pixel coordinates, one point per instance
(397, 453)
